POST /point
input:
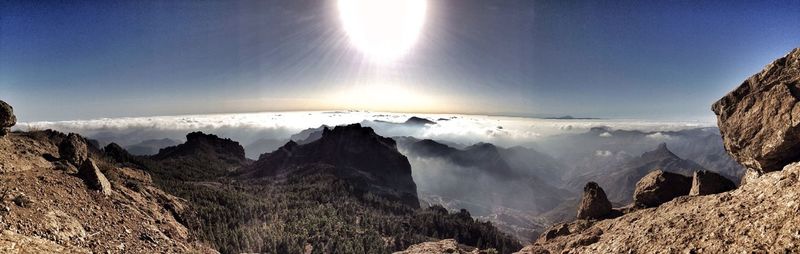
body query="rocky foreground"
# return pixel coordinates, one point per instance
(760, 215)
(58, 196)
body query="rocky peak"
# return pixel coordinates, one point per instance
(354, 152)
(659, 153)
(418, 121)
(759, 119)
(198, 143)
(7, 118)
(594, 204)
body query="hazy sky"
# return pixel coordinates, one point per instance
(64, 60)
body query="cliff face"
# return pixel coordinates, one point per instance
(352, 152)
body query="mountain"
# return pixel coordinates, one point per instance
(604, 149)
(261, 146)
(150, 146)
(620, 182)
(201, 157)
(331, 195)
(352, 152)
(508, 187)
(418, 121)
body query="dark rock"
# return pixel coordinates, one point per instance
(418, 121)
(209, 144)
(707, 182)
(760, 119)
(368, 161)
(94, 178)
(659, 187)
(73, 149)
(22, 200)
(7, 118)
(594, 204)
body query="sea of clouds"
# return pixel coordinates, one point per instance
(250, 127)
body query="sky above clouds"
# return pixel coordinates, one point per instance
(64, 60)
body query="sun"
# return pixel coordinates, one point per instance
(383, 30)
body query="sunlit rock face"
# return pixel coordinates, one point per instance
(760, 119)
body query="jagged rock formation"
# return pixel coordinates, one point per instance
(621, 183)
(370, 161)
(73, 149)
(760, 216)
(7, 118)
(94, 178)
(659, 187)
(45, 210)
(760, 119)
(594, 204)
(201, 157)
(201, 143)
(707, 182)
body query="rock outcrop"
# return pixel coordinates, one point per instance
(758, 217)
(659, 187)
(760, 119)
(443, 246)
(369, 161)
(707, 182)
(594, 204)
(7, 118)
(94, 178)
(45, 210)
(73, 149)
(620, 184)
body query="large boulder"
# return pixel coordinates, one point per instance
(73, 149)
(760, 119)
(94, 178)
(7, 118)
(659, 187)
(594, 204)
(707, 182)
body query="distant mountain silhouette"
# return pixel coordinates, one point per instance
(151, 146)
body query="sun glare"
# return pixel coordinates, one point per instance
(384, 30)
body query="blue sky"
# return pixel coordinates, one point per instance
(62, 60)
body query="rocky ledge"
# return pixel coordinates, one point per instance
(759, 216)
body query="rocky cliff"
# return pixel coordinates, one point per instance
(352, 152)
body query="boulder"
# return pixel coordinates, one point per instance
(760, 120)
(659, 187)
(7, 118)
(73, 149)
(594, 204)
(94, 178)
(707, 182)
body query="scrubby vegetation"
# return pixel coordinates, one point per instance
(315, 211)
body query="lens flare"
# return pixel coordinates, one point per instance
(384, 30)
